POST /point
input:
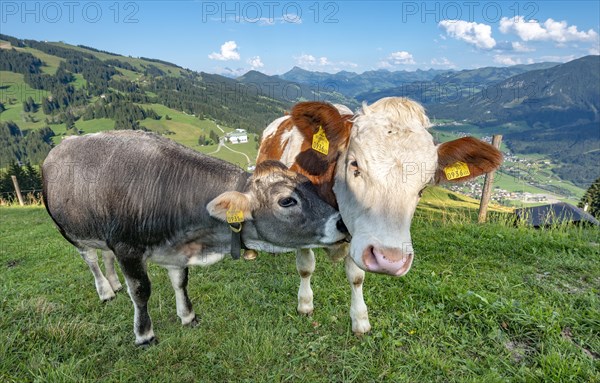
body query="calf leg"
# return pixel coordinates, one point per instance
(179, 281)
(305, 264)
(105, 291)
(111, 274)
(358, 308)
(138, 287)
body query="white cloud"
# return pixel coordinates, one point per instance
(255, 62)
(401, 58)
(228, 52)
(519, 47)
(230, 72)
(384, 65)
(308, 61)
(479, 35)
(291, 18)
(594, 51)
(550, 30)
(347, 64)
(506, 60)
(266, 21)
(288, 18)
(443, 62)
(397, 58)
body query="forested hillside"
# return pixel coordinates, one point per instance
(553, 112)
(53, 89)
(56, 88)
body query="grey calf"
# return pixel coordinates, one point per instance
(144, 197)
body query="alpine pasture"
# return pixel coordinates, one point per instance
(482, 303)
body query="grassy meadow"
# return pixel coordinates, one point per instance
(482, 303)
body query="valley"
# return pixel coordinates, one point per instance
(551, 130)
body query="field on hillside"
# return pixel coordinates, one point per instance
(523, 173)
(180, 127)
(482, 303)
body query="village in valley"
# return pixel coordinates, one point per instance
(521, 180)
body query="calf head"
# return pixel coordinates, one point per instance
(281, 211)
(389, 160)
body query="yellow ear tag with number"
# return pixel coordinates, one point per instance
(457, 170)
(320, 142)
(235, 216)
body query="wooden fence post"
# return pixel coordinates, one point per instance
(17, 190)
(487, 185)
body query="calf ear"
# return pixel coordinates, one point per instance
(331, 128)
(230, 204)
(464, 159)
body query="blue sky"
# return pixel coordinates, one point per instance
(273, 36)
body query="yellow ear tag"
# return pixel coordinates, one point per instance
(457, 170)
(235, 216)
(320, 142)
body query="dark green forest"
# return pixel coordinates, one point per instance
(19, 147)
(200, 94)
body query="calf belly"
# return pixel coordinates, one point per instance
(188, 254)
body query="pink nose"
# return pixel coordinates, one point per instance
(392, 261)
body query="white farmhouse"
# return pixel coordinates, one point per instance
(239, 136)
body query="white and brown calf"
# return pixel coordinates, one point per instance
(375, 167)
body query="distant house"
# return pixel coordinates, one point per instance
(239, 136)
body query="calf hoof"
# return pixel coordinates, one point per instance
(107, 296)
(193, 323)
(306, 310)
(250, 255)
(361, 328)
(116, 287)
(147, 343)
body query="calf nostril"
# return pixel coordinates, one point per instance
(341, 227)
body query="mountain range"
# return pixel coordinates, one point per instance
(546, 108)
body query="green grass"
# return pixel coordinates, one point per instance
(482, 303)
(13, 86)
(79, 81)
(51, 62)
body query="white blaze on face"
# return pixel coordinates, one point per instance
(390, 159)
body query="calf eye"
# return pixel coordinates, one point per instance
(287, 202)
(354, 166)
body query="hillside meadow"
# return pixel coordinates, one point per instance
(482, 303)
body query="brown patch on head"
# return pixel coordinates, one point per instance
(309, 118)
(480, 157)
(272, 147)
(319, 168)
